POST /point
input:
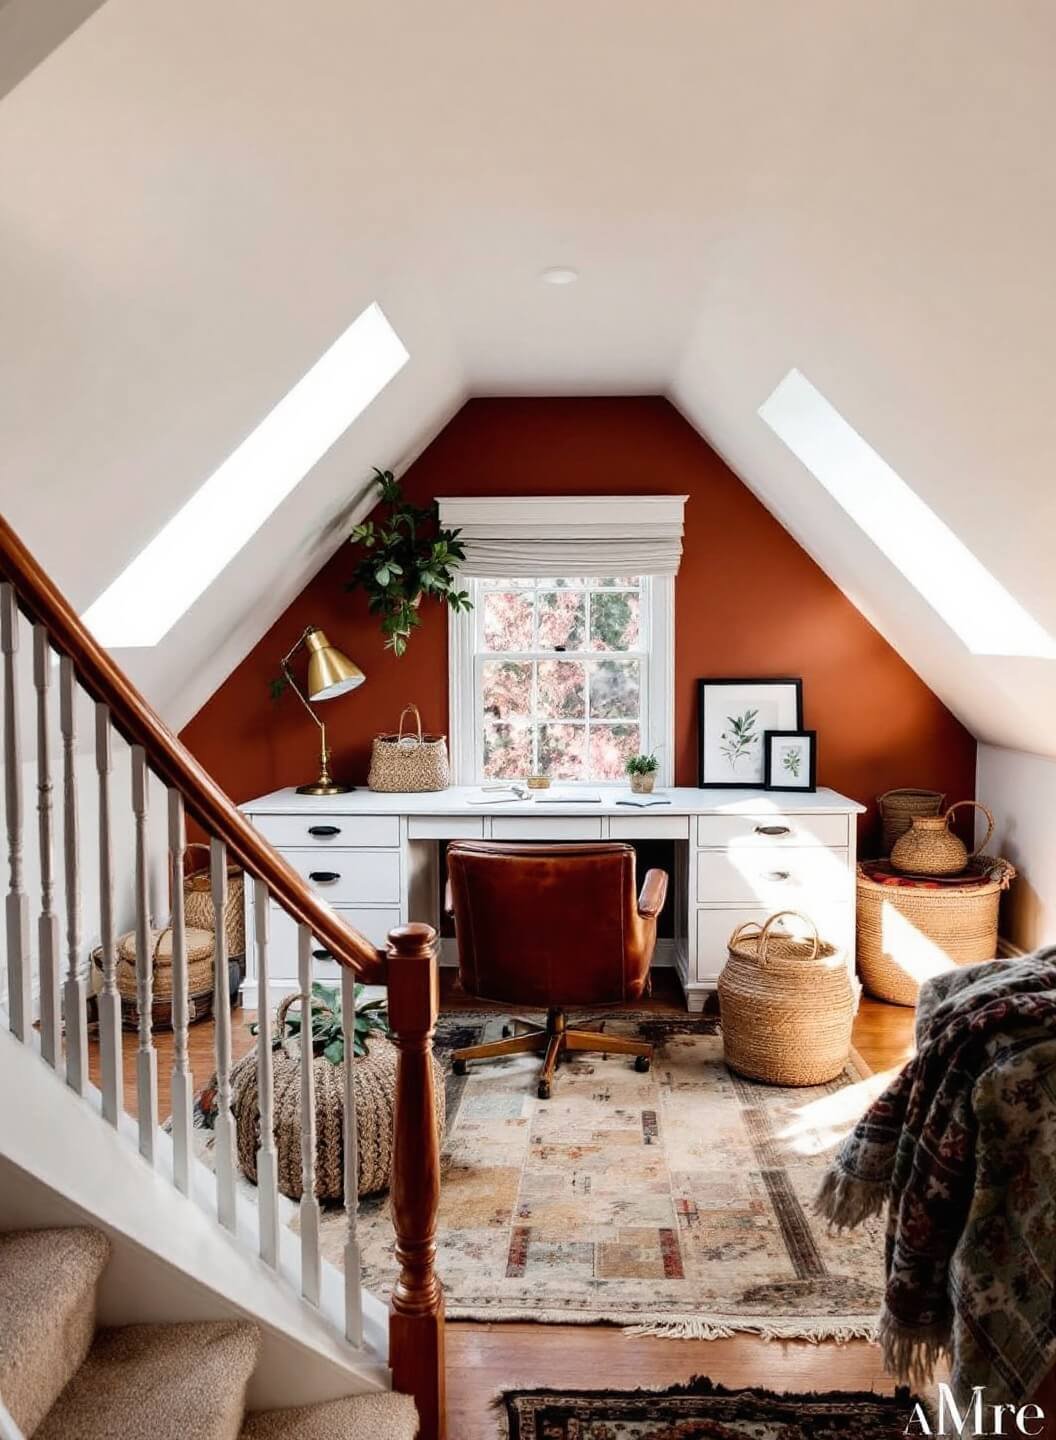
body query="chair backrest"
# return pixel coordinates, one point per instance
(549, 924)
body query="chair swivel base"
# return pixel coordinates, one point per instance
(551, 1041)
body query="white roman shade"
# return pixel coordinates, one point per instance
(527, 535)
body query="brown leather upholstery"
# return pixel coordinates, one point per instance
(553, 925)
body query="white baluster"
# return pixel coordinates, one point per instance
(267, 1160)
(353, 1263)
(48, 944)
(111, 1061)
(226, 1207)
(181, 1074)
(73, 992)
(146, 1056)
(310, 1258)
(19, 975)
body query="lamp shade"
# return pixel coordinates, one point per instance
(329, 672)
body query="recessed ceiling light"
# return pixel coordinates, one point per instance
(559, 275)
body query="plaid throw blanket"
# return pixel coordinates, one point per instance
(962, 1148)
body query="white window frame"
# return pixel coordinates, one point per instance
(658, 713)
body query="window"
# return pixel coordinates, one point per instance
(190, 551)
(972, 602)
(562, 676)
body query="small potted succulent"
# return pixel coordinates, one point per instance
(642, 770)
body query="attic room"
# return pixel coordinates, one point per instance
(528, 651)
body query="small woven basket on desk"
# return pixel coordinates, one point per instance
(911, 928)
(787, 1005)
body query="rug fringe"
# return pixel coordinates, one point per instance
(846, 1201)
(912, 1355)
(839, 1331)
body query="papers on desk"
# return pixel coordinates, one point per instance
(643, 802)
(568, 797)
(498, 794)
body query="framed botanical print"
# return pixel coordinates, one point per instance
(732, 718)
(791, 759)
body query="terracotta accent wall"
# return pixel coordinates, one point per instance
(749, 601)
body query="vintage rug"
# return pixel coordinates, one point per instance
(679, 1202)
(702, 1411)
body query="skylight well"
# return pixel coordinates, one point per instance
(187, 555)
(954, 582)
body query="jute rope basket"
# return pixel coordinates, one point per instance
(787, 1004)
(897, 808)
(375, 1088)
(198, 904)
(951, 921)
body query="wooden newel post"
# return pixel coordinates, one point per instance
(416, 1310)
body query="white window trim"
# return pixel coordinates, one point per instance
(659, 717)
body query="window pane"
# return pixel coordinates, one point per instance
(562, 624)
(627, 582)
(506, 689)
(508, 621)
(507, 752)
(562, 690)
(561, 582)
(615, 689)
(562, 751)
(611, 746)
(613, 620)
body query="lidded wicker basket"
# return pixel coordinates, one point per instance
(787, 1004)
(909, 930)
(198, 904)
(898, 807)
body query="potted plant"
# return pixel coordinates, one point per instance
(642, 770)
(404, 557)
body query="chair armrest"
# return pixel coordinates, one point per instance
(654, 893)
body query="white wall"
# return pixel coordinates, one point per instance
(1021, 791)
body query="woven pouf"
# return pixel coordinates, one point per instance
(787, 1005)
(375, 1075)
(910, 928)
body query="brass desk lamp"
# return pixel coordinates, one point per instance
(329, 674)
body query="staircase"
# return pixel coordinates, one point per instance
(65, 1378)
(55, 1368)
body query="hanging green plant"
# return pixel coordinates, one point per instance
(405, 557)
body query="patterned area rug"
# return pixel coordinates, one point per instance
(702, 1411)
(679, 1202)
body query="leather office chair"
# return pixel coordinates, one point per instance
(553, 926)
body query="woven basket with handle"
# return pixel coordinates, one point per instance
(897, 808)
(787, 1004)
(375, 1089)
(198, 904)
(409, 763)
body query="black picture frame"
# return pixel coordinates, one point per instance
(769, 737)
(706, 740)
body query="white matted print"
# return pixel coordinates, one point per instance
(733, 718)
(791, 758)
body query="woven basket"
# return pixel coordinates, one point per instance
(198, 904)
(897, 808)
(787, 1005)
(199, 977)
(375, 1088)
(945, 925)
(409, 764)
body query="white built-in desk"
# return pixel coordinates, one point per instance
(739, 855)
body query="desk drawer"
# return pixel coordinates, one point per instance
(351, 876)
(374, 924)
(649, 827)
(445, 827)
(554, 827)
(714, 928)
(286, 831)
(755, 875)
(718, 831)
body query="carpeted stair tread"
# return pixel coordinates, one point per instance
(387, 1416)
(158, 1382)
(48, 1281)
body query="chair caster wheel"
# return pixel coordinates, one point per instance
(543, 1090)
(458, 1067)
(507, 1031)
(642, 1063)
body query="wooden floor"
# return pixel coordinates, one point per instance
(484, 1358)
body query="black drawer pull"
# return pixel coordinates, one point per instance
(323, 877)
(321, 955)
(778, 875)
(324, 831)
(773, 830)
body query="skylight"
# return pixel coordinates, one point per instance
(972, 602)
(187, 555)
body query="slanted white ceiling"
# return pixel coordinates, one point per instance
(196, 199)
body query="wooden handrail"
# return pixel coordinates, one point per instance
(174, 764)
